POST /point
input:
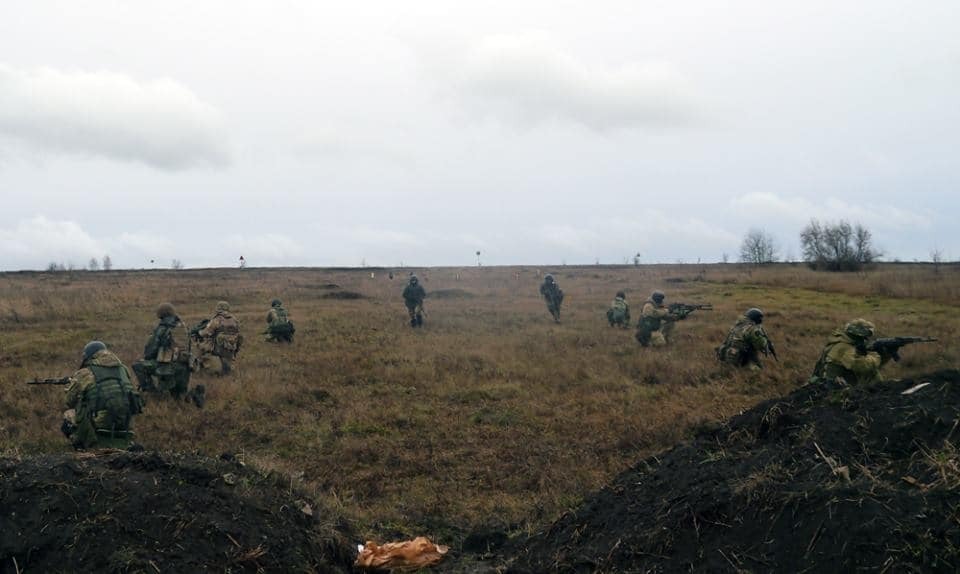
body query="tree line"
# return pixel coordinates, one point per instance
(836, 246)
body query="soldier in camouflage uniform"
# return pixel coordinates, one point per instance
(845, 358)
(413, 296)
(220, 341)
(101, 401)
(745, 342)
(166, 356)
(279, 326)
(552, 293)
(656, 321)
(619, 311)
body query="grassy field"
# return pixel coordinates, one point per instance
(491, 416)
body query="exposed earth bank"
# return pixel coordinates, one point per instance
(823, 480)
(114, 511)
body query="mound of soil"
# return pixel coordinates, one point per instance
(824, 480)
(343, 295)
(115, 511)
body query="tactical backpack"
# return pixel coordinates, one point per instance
(282, 326)
(111, 394)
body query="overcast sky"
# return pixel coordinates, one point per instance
(341, 133)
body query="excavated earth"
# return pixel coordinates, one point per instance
(116, 511)
(823, 480)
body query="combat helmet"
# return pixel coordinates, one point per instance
(621, 295)
(276, 303)
(859, 329)
(91, 349)
(657, 297)
(413, 279)
(548, 278)
(223, 306)
(165, 310)
(754, 314)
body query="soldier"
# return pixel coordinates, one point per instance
(220, 341)
(656, 321)
(101, 401)
(846, 359)
(552, 293)
(413, 296)
(619, 311)
(166, 356)
(279, 326)
(745, 342)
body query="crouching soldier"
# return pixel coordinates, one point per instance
(847, 359)
(220, 341)
(279, 326)
(165, 367)
(101, 401)
(745, 342)
(619, 312)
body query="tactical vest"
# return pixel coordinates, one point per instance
(281, 324)
(111, 395)
(734, 348)
(227, 341)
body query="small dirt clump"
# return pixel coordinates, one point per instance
(823, 480)
(116, 511)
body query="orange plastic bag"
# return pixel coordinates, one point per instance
(407, 555)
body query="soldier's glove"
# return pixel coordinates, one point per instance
(68, 428)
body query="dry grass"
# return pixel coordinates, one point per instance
(490, 416)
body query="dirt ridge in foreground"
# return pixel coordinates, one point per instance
(116, 511)
(823, 480)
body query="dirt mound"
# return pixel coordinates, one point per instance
(343, 295)
(116, 511)
(824, 480)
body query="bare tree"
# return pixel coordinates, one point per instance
(936, 257)
(176, 264)
(837, 246)
(758, 247)
(93, 265)
(107, 263)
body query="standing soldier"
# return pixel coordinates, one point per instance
(656, 321)
(166, 356)
(552, 293)
(220, 340)
(101, 401)
(846, 356)
(413, 296)
(619, 311)
(746, 341)
(279, 326)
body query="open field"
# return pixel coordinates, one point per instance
(489, 418)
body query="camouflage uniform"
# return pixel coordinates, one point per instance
(846, 357)
(279, 326)
(743, 345)
(550, 291)
(220, 341)
(413, 296)
(656, 322)
(166, 356)
(101, 403)
(619, 312)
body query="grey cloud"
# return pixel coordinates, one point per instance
(160, 123)
(523, 78)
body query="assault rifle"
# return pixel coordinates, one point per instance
(890, 346)
(684, 309)
(195, 330)
(60, 381)
(771, 349)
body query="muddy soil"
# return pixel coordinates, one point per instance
(115, 511)
(823, 480)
